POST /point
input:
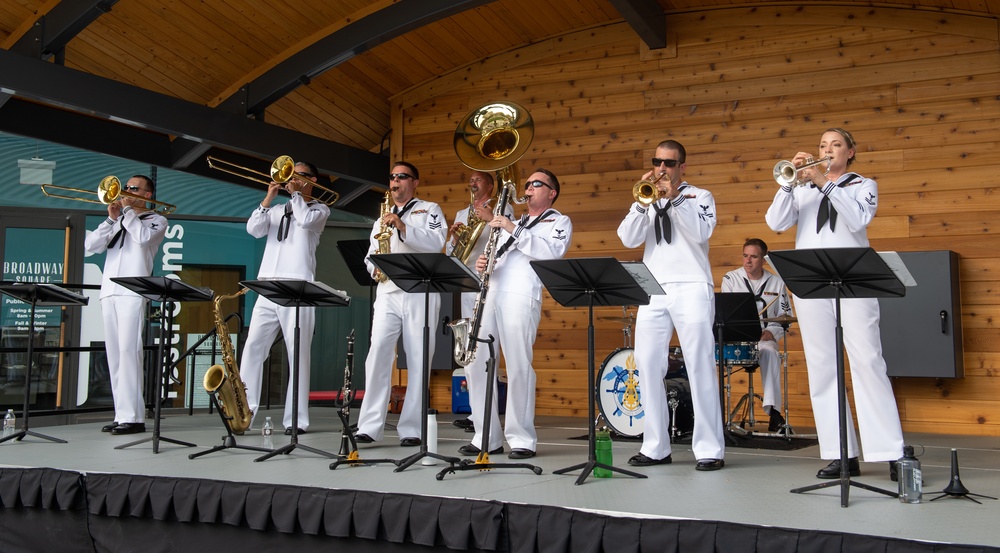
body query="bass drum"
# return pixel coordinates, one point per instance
(619, 396)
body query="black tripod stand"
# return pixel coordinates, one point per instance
(164, 290)
(426, 273)
(837, 273)
(736, 320)
(482, 461)
(297, 293)
(592, 281)
(36, 294)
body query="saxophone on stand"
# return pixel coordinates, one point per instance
(223, 381)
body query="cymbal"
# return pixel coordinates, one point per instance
(622, 320)
(783, 319)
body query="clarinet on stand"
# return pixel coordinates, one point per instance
(348, 447)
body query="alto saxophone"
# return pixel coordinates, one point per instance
(224, 380)
(466, 331)
(384, 235)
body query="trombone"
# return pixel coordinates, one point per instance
(108, 192)
(282, 171)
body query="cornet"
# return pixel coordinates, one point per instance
(645, 191)
(787, 174)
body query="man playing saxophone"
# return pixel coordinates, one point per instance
(468, 221)
(416, 226)
(511, 314)
(292, 230)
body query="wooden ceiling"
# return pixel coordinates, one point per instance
(180, 78)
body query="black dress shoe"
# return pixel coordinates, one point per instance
(893, 472)
(776, 422)
(463, 423)
(470, 450)
(363, 439)
(109, 427)
(832, 470)
(288, 431)
(409, 442)
(129, 428)
(521, 453)
(640, 460)
(709, 464)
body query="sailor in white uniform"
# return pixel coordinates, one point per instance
(675, 230)
(834, 212)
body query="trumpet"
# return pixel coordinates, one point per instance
(282, 171)
(108, 192)
(787, 174)
(645, 191)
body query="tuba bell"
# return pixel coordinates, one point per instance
(490, 138)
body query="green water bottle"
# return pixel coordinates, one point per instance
(602, 449)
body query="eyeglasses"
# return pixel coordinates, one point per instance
(400, 176)
(306, 175)
(128, 188)
(536, 184)
(668, 162)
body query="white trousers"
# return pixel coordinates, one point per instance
(397, 312)
(267, 319)
(123, 321)
(769, 359)
(690, 309)
(512, 320)
(878, 419)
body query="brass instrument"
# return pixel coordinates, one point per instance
(645, 191)
(787, 174)
(490, 138)
(108, 192)
(224, 380)
(466, 235)
(384, 236)
(282, 171)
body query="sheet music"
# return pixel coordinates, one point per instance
(342, 294)
(898, 268)
(643, 277)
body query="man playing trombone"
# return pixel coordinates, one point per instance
(130, 236)
(292, 230)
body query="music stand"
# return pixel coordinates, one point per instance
(736, 320)
(838, 273)
(162, 289)
(298, 293)
(36, 294)
(587, 282)
(426, 272)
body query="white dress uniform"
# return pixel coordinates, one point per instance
(681, 267)
(511, 315)
(131, 243)
(769, 291)
(397, 311)
(476, 384)
(293, 231)
(855, 200)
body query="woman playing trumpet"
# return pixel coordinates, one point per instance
(834, 213)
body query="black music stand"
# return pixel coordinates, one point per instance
(838, 273)
(297, 293)
(587, 282)
(736, 320)
(354, 253)
(426, 272)
(164, 290)
(36, 294)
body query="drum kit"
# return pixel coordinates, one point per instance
(619, 395)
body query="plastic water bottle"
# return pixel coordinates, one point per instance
(432, 437)
(909, 476)
(9, 423)
(266, 432)
(602, 448)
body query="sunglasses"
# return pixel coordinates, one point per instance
(128, 188)
(668, 162)
(306, 175)
(536, 184)
(400, 176)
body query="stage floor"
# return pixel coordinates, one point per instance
(753, 488)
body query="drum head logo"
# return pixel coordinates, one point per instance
(620, 397)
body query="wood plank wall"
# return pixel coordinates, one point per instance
(741, 89)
